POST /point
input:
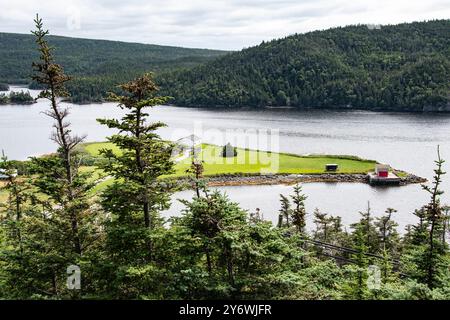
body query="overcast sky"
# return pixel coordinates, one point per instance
(216, 24)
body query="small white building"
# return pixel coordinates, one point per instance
(190, 145)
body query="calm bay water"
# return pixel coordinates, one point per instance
(405, 141)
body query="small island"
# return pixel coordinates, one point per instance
(255, 167)
(17, 97)
(247, 167)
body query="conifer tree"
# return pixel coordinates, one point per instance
(389, 240)
(299, 210)
(236, 251)
(11, 228)
(435, 219)
(284, 218)
(425, 255)
(218, 222)
(53, 221)
(367, 228)
(322, 222)
(359, 286)
(66, 187)
(196, 170)
(387, 232)
(137, 194)
(417, 234)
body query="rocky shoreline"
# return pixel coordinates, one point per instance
(290, 179)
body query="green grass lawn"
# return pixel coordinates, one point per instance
(254, 162)
(94, 148)
(246, 162)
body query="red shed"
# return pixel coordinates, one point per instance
(382, 170)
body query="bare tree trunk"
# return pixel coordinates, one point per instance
(54, 283)
(430, 274)
(197, 187)
(229, 258)
(139, 164)
(208, 259)
(147, 215)
(64, 144)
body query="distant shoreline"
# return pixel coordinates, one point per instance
(336, 108)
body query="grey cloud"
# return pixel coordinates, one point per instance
(220, 24)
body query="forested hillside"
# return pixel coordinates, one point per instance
(95, 65)
(403, 67)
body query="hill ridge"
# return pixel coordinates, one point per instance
(403, 67)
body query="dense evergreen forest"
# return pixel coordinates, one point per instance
(97, 66)
(59, 239)
(14, 97)
(402, 67)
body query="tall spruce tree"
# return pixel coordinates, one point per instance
(285, 212)
(435, 218)
(389, 240)
(358, 287)
(70, 185)
(299, 210)
(387, 232)
(138, 193)
(55, 223)
(323, 225)
(367, 228)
